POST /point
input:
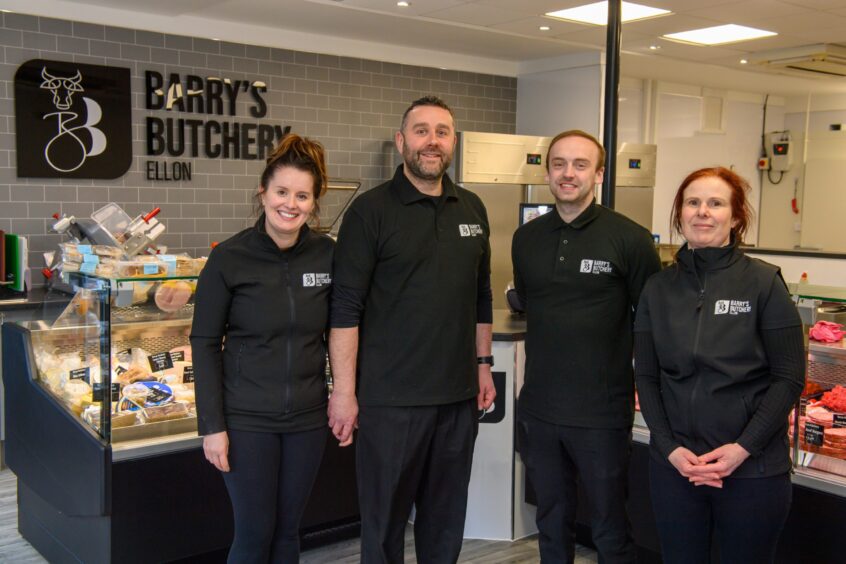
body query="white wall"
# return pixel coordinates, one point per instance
(822, 271)
(558, 94)
(685, 145)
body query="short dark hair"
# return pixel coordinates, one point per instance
(301, 153)
(582, 134)
(741, 211)
(430, 100)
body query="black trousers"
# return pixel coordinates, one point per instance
(270, 479)
(557, 458)
(420, 456)
(746, 515)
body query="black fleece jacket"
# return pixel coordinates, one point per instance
(260, 317)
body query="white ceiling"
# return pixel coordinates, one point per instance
(471, 34)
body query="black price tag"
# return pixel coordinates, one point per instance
(97, 392)
(177, 356)
(814, 434)
(83, 374)
(116, 392)
(188, 375)
(840, 420)
(120, 370)
(160, 361)
(157, 395)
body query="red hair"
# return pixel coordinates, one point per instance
(741, 212)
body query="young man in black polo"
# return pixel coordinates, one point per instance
(410, 344)
(579, 271)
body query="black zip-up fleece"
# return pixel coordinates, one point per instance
(718, 379)
(269, 309)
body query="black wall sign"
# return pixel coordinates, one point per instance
(72, 120)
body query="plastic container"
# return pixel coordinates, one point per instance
(114, 220)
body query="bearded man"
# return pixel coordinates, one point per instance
(410, 344)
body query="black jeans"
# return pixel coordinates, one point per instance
(746, 515)
(270, 479)
(559, 457)
(420, 456)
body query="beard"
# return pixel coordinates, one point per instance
(415, 165)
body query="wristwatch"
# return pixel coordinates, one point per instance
(485, 360)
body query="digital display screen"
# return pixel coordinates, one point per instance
(780, 148)
(634, 163)
(528, 212)
(533, 159)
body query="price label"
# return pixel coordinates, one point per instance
(177, 356)
(116, 392)
(97, 392)
(814, 434)
(158, 395)
(160, 361)
(88, 267)
(188, 375)
(83, 374)
(120, 370)
(84, 249)
(151, 268)
(840, 420)
(91, 258)
(170, 263)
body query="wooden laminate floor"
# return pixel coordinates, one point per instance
(14, 549)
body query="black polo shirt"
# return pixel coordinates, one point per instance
(580, 282)
(420, 267)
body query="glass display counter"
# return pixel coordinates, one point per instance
(101, 432)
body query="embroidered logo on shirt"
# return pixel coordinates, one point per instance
(470, 230)
(732, 307)
(592, 266)
(315, 279)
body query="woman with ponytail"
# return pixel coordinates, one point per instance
(259, 349)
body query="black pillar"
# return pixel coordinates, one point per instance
(612, 87)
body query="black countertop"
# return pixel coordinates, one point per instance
(507, 326)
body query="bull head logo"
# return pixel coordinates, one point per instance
(62, 88)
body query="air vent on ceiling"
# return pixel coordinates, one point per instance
(821, 60)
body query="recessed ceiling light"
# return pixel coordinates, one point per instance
(544, 28)
(743, 61)
(403, 4)
(654, 47)
(597, 13)
(719, 35)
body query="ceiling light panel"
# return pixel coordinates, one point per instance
(597, 13)
(719, 35)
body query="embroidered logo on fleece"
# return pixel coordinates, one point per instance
(316, 279)
(593, 266)
(470, 230)
(732, 307)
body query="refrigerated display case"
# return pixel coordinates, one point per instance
(102, 431)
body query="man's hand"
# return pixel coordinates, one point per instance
(487, 392)
(343, 416)
(216, 449)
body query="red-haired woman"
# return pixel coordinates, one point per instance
(261, 398)
(719, 364)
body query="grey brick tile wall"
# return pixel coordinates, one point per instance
(352, 106)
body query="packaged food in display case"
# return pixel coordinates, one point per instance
(818, 425)
(137, 384)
